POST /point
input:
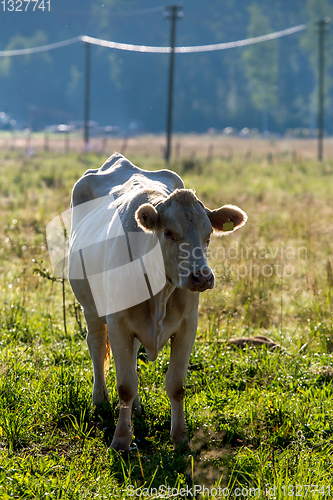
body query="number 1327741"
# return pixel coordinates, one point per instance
(25, 5)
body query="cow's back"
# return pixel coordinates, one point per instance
(118, 175)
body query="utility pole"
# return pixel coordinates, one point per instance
(87, 95)
(321, 72)
(173, 16)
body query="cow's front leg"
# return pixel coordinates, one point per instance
(99, 350)
(181, 347)
(122, 347)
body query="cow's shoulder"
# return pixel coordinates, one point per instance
(118, 171)
(166, 177)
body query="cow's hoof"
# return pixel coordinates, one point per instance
(182, 447)
(136, 406)
(121, 444)
(100, 399)
(181, 442)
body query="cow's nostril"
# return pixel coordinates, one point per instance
(196, 278)
(201, 280)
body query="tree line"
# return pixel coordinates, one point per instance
(271, 86)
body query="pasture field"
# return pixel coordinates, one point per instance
(260, 421)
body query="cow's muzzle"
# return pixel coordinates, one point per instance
(202, 280)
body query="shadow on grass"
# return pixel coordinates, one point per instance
(152, 462)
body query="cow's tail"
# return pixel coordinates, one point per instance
(107, 353)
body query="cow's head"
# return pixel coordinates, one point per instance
(184, 226)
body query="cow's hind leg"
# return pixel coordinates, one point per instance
(99, 349)
(123, 350)
(181, 347)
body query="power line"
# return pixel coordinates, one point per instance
(241, 43)
(138, 12)
(174, 15)
(152, 49)
(114, 14)
(42, 48)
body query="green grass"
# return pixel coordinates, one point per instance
(256, 419)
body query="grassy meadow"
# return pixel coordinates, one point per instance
(260, 421)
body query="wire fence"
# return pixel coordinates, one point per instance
(189, 149)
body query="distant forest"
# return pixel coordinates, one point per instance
(272, 85)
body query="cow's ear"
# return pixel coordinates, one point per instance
(226, 219)
(147, 217)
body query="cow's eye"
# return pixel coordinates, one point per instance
(169, 234)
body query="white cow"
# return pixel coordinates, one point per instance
(137, 262)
